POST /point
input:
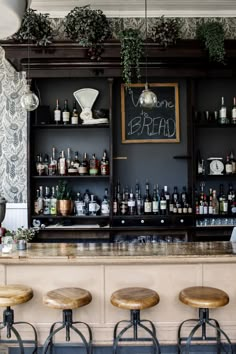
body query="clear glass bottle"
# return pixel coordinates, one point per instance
(46, 202)
(80, 205)
(105, 205)
(62, 164)
(131, 204)
(53, 202)
(36, 203)
(93, 206)
(40, 200)
(223, 119)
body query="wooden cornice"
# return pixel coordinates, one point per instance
(60, 59)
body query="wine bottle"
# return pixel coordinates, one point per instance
(223, 112)
(233, 112)
(75, 114)
(83, 167)
(147, 201)
(66, 113)
(57, 113)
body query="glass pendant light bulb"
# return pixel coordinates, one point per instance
(29, 101)
(148, 98)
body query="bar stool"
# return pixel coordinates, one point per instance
(11, 295)
(67, 299)
(135, 299)
(203, 298)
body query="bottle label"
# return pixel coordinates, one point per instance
(80, 207)
(147, 207)
(74, 120)
(65, 116)
(57, 115)
(234, 114)
(105, 210)
(228, 168)
(155, 206)
(163, 204)
(83, 170)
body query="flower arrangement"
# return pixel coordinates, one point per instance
(22, 234)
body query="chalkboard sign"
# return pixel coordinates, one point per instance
(157, 125)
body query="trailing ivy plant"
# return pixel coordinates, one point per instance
(211, 33)
(90, 28)
(166, 31)
(131, 53)
(35, 27)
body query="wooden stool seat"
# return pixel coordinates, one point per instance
(203, 297)
(67, 298)
(14, 294)
(134, 298)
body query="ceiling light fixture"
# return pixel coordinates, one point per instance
(29, 101)
(148, 98)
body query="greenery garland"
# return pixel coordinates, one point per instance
(35, 27)
(166, 31)
(90, 28)
(211, 33)
(131, 53)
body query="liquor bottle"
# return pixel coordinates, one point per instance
(233, 112)
(228, 166)
(46, 202)
(66, 113)
(200, 164)
(105, 205)
(155, 201)
(231, 198)
(72, 167)
(76, 161)
(80, 205)
(46, 164)
(233, 162)
(223, 112)
(52, 167)
(57, 113)
(210, 204)
(36, 203)
(68, 159)
(167, 196)
(205, 204)
(83, 167)
(174, 201)
(75, 114)
(93, 166)
(215, 203)
(93, 209)
(104, 165)
(86, 199)
(53, 202)
(118, 194)
(223, 202)
(147, 200)
(40, 200)
(62, 164)
(183, 197)
(139, 204)
(123, 204)
(115, 202)
(40, 165)
(131, 204)
(163, 203)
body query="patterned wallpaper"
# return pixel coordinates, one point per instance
(13, 134)
(13, 119)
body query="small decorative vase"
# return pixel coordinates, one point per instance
(22, 245)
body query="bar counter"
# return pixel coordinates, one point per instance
(104, 268)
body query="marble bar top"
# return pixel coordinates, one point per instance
(105, 253)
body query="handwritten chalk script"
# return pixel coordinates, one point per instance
(152, 126)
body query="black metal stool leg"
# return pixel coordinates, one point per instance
(9, 324)
(116, 327)
(154, 338)
(179, 338)
(218, 329)
(68, 324)
(118, 338)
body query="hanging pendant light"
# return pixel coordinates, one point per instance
(148, 98)
(29, 101)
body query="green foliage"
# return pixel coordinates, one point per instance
(90, 28)
(211, 33)
(166, 31)
(22, 234)
(35, 27)
(63, 191)
(131, 53)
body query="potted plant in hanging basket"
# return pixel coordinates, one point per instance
(90, 28)
(131, 53)
(211, 33)
(166, 31)
(64, 199)
(36, 28)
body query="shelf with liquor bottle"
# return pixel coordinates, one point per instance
(154, 209)
(65, 150)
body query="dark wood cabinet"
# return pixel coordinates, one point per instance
(61, 68)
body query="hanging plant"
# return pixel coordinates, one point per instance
(35, 27)
(131, 53)
(211, 33)
(166, 31)
(90, 28)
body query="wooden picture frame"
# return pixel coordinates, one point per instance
(157, 125)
